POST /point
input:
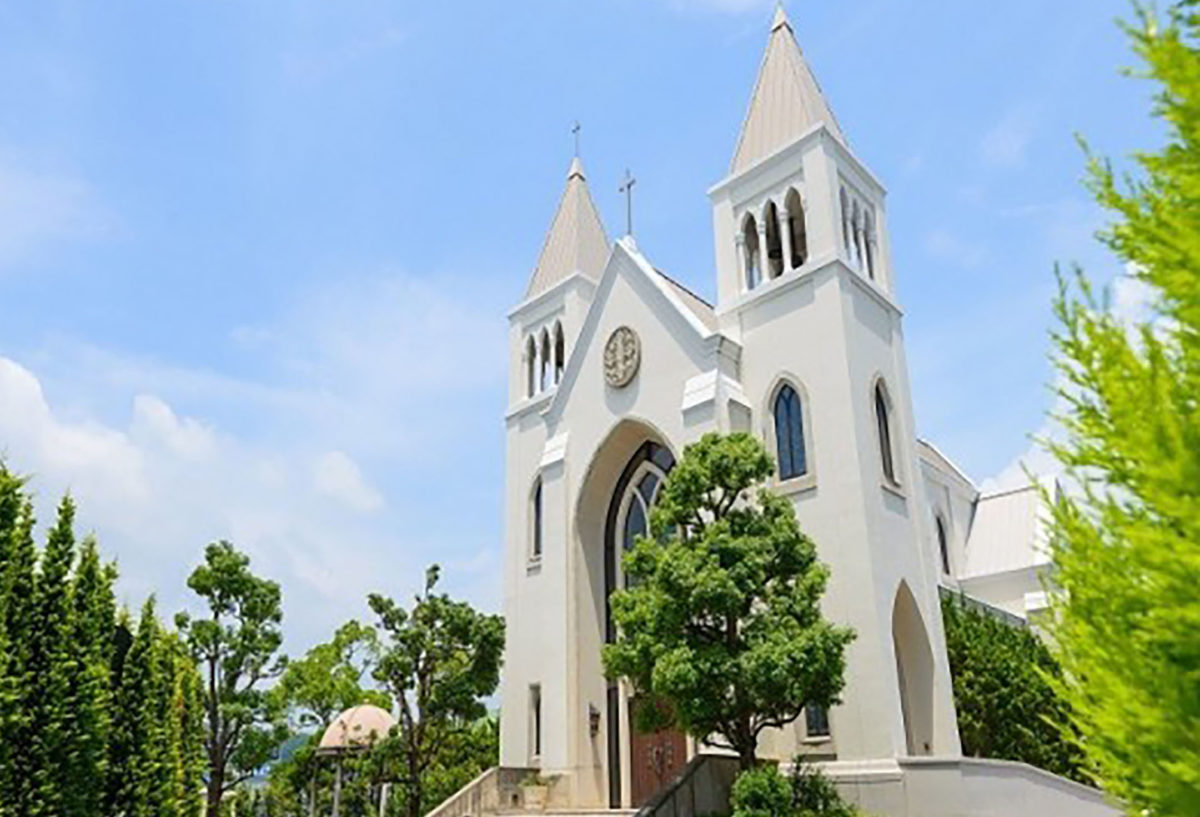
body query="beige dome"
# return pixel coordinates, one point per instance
(357, 727)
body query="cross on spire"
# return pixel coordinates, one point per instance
(627, 189)
(575, 129)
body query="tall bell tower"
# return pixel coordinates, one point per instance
(805, 284)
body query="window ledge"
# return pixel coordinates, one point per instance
(892, 488)
(796, 485)
(817, 740)
(534, 565)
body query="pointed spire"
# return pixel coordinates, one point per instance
(576, 241)
(787, 100)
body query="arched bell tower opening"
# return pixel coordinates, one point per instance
(914, 668)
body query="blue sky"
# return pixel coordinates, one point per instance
(255, 258)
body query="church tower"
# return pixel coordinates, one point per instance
(806, 287)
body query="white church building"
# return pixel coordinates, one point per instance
(615, 368)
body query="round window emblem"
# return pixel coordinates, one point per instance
(622, 356)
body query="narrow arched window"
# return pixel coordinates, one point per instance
(869, 243)
(845, 220)
(883, 421)
(544, 371)
(856, 230)
(774, 241)
(796, 229)
(943, 545)
(789, 434)
(560, 353)
(751, 249)
(530, 367)
(537, 521)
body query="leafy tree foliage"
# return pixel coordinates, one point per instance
(439, 661)
(237, 650)
(1127, 548)
(314, 690)
(721, 623)
(764, 791)
(63, 679)
(1007, 707)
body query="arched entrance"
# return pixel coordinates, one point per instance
(914, 667)
(653, 759)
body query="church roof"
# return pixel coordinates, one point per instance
(1009, 532)
(787, 100)
(701, 308)
(576, 241)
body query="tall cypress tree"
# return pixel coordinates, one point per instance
(12, 506)
(50, 665)
(140, 727)
(93, 610)
(21, 581)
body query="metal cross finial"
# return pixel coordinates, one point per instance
(627, 189)
(575, 132)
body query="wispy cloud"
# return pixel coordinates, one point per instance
(39, 207)
(946, 246)
(1006, 144)
(317, 462)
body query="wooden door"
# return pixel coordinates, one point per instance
(656, 758)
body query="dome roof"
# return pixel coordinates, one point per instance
(357, 727)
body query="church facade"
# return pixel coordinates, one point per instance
(615, 368)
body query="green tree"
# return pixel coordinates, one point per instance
(328, 679)
(49, 673)
(1127, 545)
(237, 650)
(1006, 704)
(315, 689)
(144, 788)
(720, 624)
(93, 618)
(14, 507)
(439, 662)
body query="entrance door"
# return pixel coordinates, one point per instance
(655, 758)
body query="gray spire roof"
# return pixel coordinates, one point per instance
(576, 241)
(787, 100)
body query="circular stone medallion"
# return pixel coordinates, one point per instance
(622, 356)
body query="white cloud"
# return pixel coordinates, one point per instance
(336, 475)
(945, 246)
(1005, 145)
(383, 375)
(39, 207)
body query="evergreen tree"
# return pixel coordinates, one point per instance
(12, 507)
(94, 616)
(20, 580)
(144, 784)
(1127, 547)
(49, 673)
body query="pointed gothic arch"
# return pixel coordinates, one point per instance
(793, 207)
(914, 671)
(774, 254)
(882, 402)
(530, 367)
(544, 367)
(560, 352)
(789, 429)
(943, 541)
(845, 205)
(869, 242)
(752, 257)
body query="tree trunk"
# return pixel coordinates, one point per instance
(216, 782)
